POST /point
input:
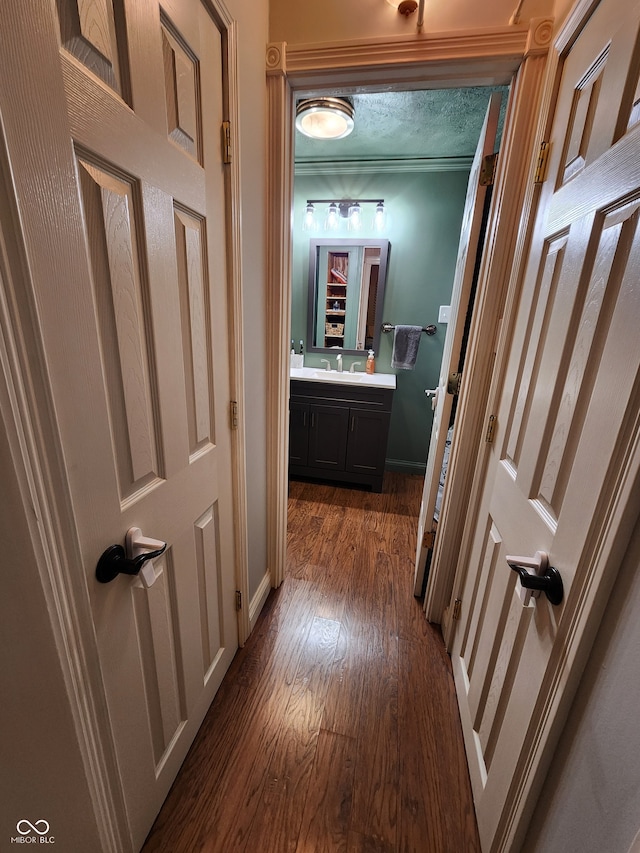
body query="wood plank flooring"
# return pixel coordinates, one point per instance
(336, 727)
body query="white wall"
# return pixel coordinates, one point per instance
(336, 20)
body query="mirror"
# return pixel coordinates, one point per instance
(346, 294)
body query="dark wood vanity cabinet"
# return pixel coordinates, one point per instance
(339, 432)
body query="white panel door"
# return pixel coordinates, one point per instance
(136, 344)
(462, 284)
(566, 451)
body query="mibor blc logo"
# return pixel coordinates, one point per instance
(33, 833)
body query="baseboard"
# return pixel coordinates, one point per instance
(257, 602)
(405, 467)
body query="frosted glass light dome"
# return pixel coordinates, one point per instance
(325, 118)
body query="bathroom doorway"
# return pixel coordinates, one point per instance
(413, 150)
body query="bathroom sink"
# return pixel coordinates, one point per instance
(334, 376)
(373, 380)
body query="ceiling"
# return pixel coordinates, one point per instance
(437, 124)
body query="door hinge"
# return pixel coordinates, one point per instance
(457, 607)
(488, 170)
(428, 539)
(226, 141)
(491, 427)
(233, 414)
(453, 384)
(541, 168)
(238, 600)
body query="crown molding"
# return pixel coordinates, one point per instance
(464, 55)
(383, 166)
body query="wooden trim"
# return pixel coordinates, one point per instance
(405, 467)
(499, 281)
(434, 56)
(409, 165)
(257, 602)
(236, 337)
(573, 24)
(280, 202)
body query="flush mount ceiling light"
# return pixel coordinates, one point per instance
(325, 118)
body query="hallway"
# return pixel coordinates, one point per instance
(336, 727)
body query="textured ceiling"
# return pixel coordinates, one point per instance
(439, 123)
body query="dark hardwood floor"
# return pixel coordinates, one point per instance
(336, 727)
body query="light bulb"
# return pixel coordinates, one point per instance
(333, 218)
(309, 221)
(355, 217)
(380, 217)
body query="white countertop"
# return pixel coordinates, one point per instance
(318, 374)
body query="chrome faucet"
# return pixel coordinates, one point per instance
(339, 363)
(327, 362)
(355, 364)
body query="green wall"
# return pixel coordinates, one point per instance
(425, 211)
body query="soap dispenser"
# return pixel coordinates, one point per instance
(371, 363)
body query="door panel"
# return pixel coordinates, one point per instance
(113, 217)
(196, 338)
(136, 340)
(89, 32)
(462, 285)
(567, 427)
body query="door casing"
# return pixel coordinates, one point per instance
(487, 57)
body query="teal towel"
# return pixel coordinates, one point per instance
(405, 347)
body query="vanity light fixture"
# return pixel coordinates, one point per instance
(349, 209)
(325, 118)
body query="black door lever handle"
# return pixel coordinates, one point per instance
(114, 562)
(548, 582)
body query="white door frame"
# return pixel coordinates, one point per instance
(483, 57)
(28, 415)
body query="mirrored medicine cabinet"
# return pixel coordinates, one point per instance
(346, 294)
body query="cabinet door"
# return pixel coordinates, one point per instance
(328, 437)
(298, 433)
(367, 441)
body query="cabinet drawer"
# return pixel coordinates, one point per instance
(379, 399)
